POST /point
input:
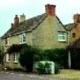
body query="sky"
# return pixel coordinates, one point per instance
(65, 9)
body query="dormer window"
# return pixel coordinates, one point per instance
(7, 41)
(62, 36)
(22, 38)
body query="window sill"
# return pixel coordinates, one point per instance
(15, 61)
(62, 41)
(22, 43)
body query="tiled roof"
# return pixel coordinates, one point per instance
(25, 26)
(60, 22)
(70, 26)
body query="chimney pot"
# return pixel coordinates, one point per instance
(76, 18)
(16, 19)
(22, 18)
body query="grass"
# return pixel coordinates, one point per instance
(71, 74)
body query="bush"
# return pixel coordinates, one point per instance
(16, 48)
(75, 58)
(29, 55)
(57, 68)
(47, 68)
(44, 67)
(41, 68)
(27, 59)
(59, 56)
(1, 57)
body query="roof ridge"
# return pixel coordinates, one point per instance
(60, 22)
(28, 25)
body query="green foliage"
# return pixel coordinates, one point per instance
(47, 68)
(27, 55)
(57, 68)
(1, 57)
(40, 55)
(58, 56)
(43, 68)
(16, 48)
(75, 58)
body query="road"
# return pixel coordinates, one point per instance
(20, 76)
(5, 75)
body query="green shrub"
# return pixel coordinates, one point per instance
(57, 68)
(43, 67)
(16, 48)
(1, 57)
(27, 59)
(75, 58)
(58, 55)
(47, 68)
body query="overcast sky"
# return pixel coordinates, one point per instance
(9, 8)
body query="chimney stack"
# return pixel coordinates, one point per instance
(22, 18)
(16, 19)
(50, 9)
(76, 18)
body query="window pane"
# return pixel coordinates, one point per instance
(24, 38)
(73, 35)
(61, 36)
(7, 57)
(16, 57)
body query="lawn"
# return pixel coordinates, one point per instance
(71, 74)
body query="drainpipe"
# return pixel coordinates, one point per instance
(69, 54)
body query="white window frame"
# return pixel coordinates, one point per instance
(7, 57)
(16, 56)
(62, 34)
(21, 40)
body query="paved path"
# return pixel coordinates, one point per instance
(23, 76)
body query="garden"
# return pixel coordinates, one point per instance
(30, 55)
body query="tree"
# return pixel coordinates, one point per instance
(26, 59)
(1, 57)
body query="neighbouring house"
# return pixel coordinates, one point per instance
(74, 29)
(74, 32)
(45, 31)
